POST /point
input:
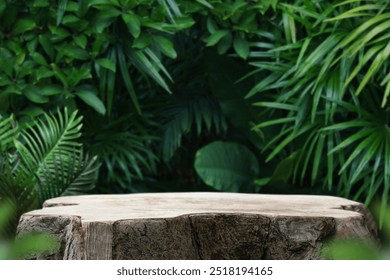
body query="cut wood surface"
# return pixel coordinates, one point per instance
(197, 225)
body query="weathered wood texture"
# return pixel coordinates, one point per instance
(197, 225)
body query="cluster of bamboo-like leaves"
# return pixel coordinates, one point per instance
(329, 79)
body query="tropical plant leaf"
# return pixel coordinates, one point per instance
(8, 133)
(171, 8)
(215, 37)
(61, 10)
(126, 77)
(124, 146)
(320, 94)
(147, 62)
(187, 112)
(226, 166)
(89, 96)
(205, 3)
(77, 174)
(241, 47)
(133, 24)
(46, 161)
(52, 136)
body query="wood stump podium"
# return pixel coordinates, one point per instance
(197, 225)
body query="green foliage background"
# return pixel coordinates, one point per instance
(275, 96)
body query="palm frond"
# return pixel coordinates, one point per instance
(8, 132)
(49, 155)
(125, 155)
(186, 112)
(124, 146)
(67, 176)
(15, 186)
(51, 137)
(148, 62)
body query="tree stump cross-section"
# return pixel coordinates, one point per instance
(197, 225)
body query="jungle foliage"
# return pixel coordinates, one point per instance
(42, 161)
(256, 96)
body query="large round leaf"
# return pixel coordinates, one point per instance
(226, 166)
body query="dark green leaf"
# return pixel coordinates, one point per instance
(47, 45)
(165, 46)
(34, 94)
(133, 24)
(214, 38)
(81, 41)
(61, 10)
(241, 46)
(205, 3)
(142, 41)
(23, 25)
(107, 63)
(38, 58)
(90, 98)
(51, 90)
(126, 78)
(226, 166)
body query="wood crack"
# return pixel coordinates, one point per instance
(195, 239)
